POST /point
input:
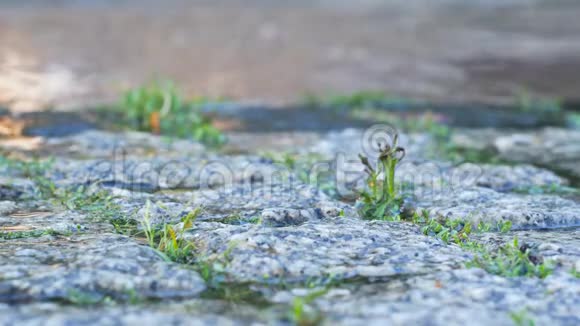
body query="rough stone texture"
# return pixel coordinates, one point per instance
(456, 298)
(14, 188)
(446, 177)
(161, 173)
(249, 142)
(7, 207)
(467, 191)
(525, 211)
(442, 298)
(97, 266)
(293, 194)
(43, 220)
(351, 142)
(284, 216)
(189, 312)
(289, 204)
(561, 246)
(33, 214)
(508, 178)
(478, 139)
(341, 247)
(262, 224)
(418, 169)
(102, 144)
(557, 149)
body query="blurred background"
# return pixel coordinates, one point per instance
(72, 55)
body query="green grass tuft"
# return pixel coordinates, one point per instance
(522, 318)
(511, 260)
(360, 99)
(159, 108)
(167, 240)
(28, 169)
(302, 314)
(11, 235)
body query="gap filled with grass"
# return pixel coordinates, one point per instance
(11, 235)
(97, 203)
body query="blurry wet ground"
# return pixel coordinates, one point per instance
(70, 53)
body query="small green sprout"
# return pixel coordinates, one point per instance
(212, 270)
(501, 226)
(505, 226)
(456, 231)
(522, 318)
(167, 241)
(302, 314)
(382, 202)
